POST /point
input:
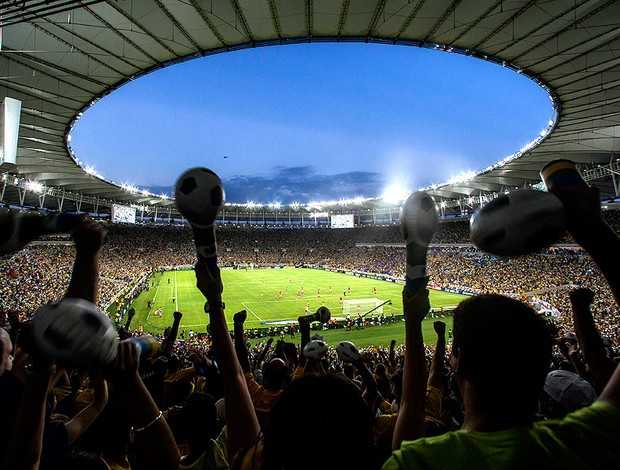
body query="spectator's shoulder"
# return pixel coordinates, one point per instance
(424, 453)
(591, 434)
(599, 416)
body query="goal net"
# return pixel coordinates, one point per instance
(356, 307)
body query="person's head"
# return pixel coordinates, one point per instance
(326, 414)
(348, 370)
(275, 374)
(6, 347)
(501, 351)
(195, 421)
(565, 392)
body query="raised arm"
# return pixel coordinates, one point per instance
(586, 225)
(392, 357)
(168, 342)
(85, 418)
(370, 384)
(435, 376)
(88, 238)
(410, 421)
(304, 330)
(152, 438)
(240, 347)
(242, 424)
(24, 449)
(599, 365)
(261, 356)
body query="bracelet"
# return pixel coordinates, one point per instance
(210, 307)
(133, 430)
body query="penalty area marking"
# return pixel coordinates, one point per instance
(251, 311)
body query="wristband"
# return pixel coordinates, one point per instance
(133, 430)
(209, 307)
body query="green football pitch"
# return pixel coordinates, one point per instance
(274, 295)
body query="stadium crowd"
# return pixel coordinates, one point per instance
(35, 276)
(513, 389)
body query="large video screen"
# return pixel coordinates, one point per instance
(123, 214)
(342, 221)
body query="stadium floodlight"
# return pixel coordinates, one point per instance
(395, 194)
(91, 171)
(295, 205)
(461, 177)
(129, 187)
(34, 186)
(275, 205)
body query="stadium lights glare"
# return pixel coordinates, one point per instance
(295, 205)
(91, 171)
(34, 186)
(395, 193)
(275, 205)
(462, 177)
(129, 187)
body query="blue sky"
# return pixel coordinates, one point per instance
(313, 121)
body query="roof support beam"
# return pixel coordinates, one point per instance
(92, 43)
(244, 23)
(451, 8)
(12, 58)
(344, 12)
(533, 32)
(568, 27)
(120, 34)
(275, 18)
(208, 22)
(178, 25)
(615, 32)
(309, 17)
(142, 27)
(73, 47)
(505, 23)
(476, 22)
(51, 65)
(410, 18)
(375, 18)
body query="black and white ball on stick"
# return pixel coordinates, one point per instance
(199, 196)
(518, 223)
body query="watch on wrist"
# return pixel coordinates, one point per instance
(211, 306)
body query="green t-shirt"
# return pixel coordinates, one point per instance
(586, 439)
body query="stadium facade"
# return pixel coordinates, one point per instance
(60, 57)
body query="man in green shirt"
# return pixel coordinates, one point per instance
(501, 354)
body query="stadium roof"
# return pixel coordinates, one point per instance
(59, 57)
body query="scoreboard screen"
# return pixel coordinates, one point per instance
(342, 221)
(123, 214)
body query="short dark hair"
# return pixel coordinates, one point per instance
(325, 410)
(504, 349)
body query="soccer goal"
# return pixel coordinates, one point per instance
(356, 307)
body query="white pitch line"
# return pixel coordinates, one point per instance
(154, 298)
(251, 311)
(176, 293)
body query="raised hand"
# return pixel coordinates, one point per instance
(439, 327)
(209, 281)
(416, 305)
(89, 237)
